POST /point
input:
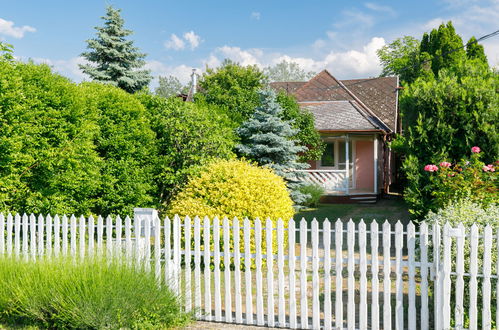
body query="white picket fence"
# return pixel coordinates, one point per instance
(329, 275)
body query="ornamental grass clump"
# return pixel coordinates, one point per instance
(84, 294)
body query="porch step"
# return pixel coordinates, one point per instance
(353, 199)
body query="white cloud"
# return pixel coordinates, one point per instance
(193, 39)
(256, 15)
(175, 43)
(380, 8)
(190, 39)
(243, 57)
(7, 28)
(182, 72)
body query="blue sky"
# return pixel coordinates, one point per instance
(342, 36)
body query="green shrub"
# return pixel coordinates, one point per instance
(235, 188)
(315, 192)
(89, 294)
(468, 212)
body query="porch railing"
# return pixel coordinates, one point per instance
(330, 180)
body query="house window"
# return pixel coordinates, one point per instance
(342, 155)
(328, 155)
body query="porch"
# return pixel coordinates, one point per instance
(348, 167)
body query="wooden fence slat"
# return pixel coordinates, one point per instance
(64, 230)
(423, 246)
(157, 248)
(17, 235)
(119, 233)
(2, 234)
(363, 275)
(437, 277)
(10, 224)
(25, 243)
(100, 231)
(374, 275)
(72, 221)
(351, 275)
(216, 249)
(303, 275)
(399, 306)
(82, 237)
(270, 273)
(145, 227)
(259, 275)
(128, 238)
(487, 259)
(459, 296)
(326, 231)
(41, 235)
(187, 260)
(292, 276)
(109, 236)
(411, 244)
(315, 275)
(280, 266)
(48, 242)
(446, 269)
(387, 283)
(227, 277)
(91, 235)
(207, 268)
(237, 272)
(338, 307)
(247, 271)
(197, 266)
(169, 266)
(176, 254)
(473, 311)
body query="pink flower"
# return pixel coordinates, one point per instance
(475, 149)
(485, 168)
(431, 168)
(445, 164)
(491, 168)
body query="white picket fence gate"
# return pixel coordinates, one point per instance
(334, 275)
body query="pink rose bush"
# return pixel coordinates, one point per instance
(468, 179)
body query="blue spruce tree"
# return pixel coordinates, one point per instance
(114, 59)
(268, 140)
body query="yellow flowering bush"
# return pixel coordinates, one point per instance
(235, 188)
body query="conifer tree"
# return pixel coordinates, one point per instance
(114, 59)
(268, 140)
(476, 51)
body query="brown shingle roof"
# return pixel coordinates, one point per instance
(376, 96)
(289, 87)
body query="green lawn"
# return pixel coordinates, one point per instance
(385, 209)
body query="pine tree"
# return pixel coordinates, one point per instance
(476, 51)
(115, 60)
(267, 139)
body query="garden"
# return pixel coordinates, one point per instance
(101, 148)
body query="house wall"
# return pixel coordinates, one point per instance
(364, 165)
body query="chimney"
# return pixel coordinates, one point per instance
(194, 82)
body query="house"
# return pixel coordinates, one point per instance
(356, 119)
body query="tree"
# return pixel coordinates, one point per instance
(169, 86)
(114, 59)
(188, 135)
(6, 52)
(287, 71)
(447, 115)
(400, 58)
(267, 139)
(476, 51)
(234, 88)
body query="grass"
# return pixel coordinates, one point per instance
(90, 294)
(385, 209)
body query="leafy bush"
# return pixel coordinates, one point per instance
(468, 213)
(315, 192)
(468, 179)
(235, 188)
(89, 294)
